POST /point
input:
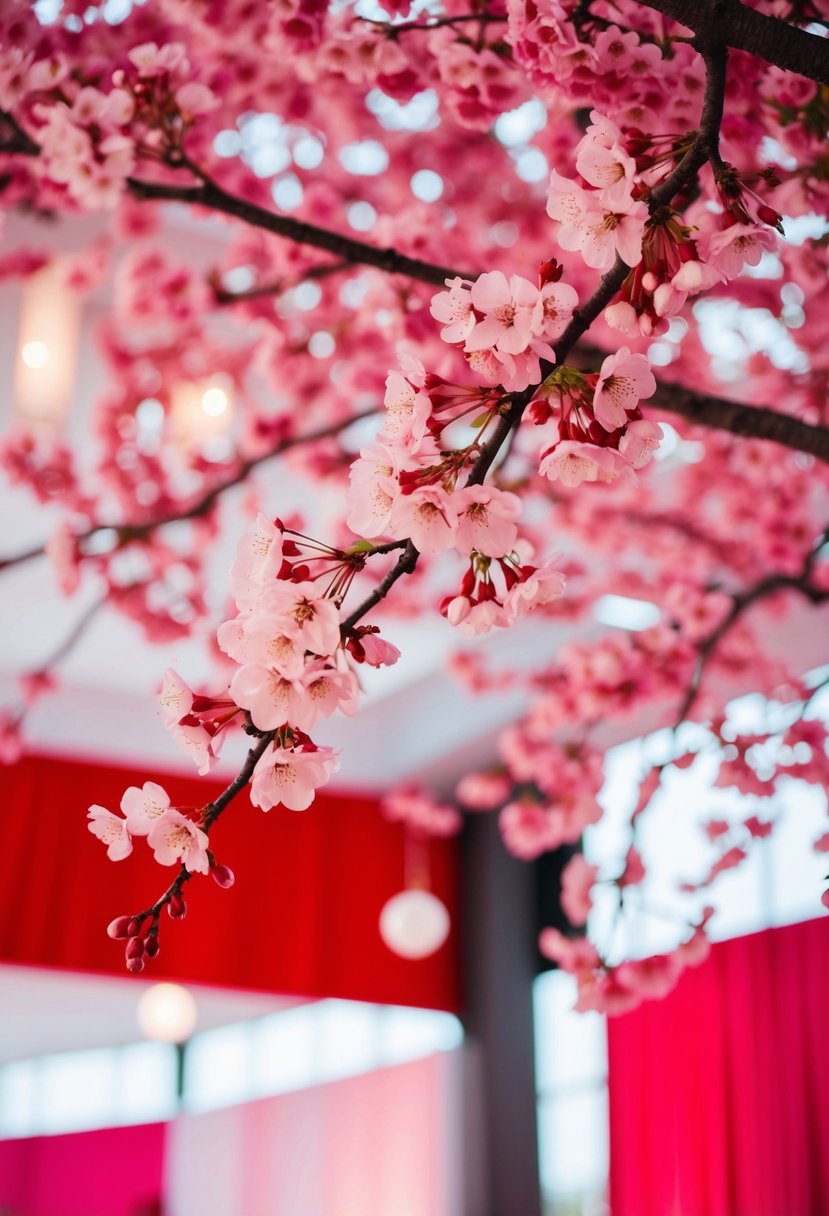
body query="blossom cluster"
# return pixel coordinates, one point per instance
(600, 433)
(91, 137)
(147, 812)
(607, 217)
(505, 326)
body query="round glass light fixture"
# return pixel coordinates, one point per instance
(414, 923)
(35, 354)
(168, 1013)
(214, 402)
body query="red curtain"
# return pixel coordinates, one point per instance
(301, 919)
(719, 1095)
(117, 1171)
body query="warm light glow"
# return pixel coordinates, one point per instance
(35, 354)
(201, 412)
(214, 402)
(414, 924)
(167, 1012)
(47, 349)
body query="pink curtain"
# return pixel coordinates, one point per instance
(719, 1095)
(116, 1171)
(383, 1144)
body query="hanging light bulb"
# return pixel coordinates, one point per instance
(201, 414)
(168, 1013)
(414, 923)
(47, 350)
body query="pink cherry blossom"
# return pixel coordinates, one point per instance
(572, 463)
(289, 777)
(603, 163)
(428, 516)
(312, 616)
(144, 807)
(573, 954)
(740, 245)
(577, 879)
(623, 381)
(112, 830)
(454, 309)
(175, 838)
(507, 306)
(413, 806)
(486, 520)
(372, 491)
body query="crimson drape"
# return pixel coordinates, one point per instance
(117, 1171)
(301, 919)
(719, 1095)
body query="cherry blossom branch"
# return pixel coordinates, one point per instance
(740, 419)
(211, 813)
(405, 27)
(748, 421)
(280, 286)
(72, 638)
(37, 678)
(405, 564)
(213, 197)
(514, 407)
(770, 585)
(736, 25)
(201, 506)
(723, 414)
(13, 139)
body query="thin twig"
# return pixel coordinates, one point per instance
(436, 23)
(211, 813)
(761, 590)
(280, 286)
(129, 532)
(213, 197)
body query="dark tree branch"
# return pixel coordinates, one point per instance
(211, 813)
(347, 248)
(13, 139)
(745, 29)
(405, 27)
(749, 421)
(684, 172)
(68, 644)
(280, 286)
(719, 413)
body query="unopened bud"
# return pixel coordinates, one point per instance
(223, 876)
(152, 947)
(135, 947)
(120, 927)
(549, 272)
(176, 908)
(768, 215)
(135, 965)
(134, 926)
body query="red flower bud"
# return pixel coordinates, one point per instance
(769, 216)
(223, 876)
(135, 947)
(135, 965)
(134, 926)
(549, 272)
(152, 948)
(176, 908)
(120, 927)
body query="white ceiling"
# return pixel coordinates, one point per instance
(53, 1011)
